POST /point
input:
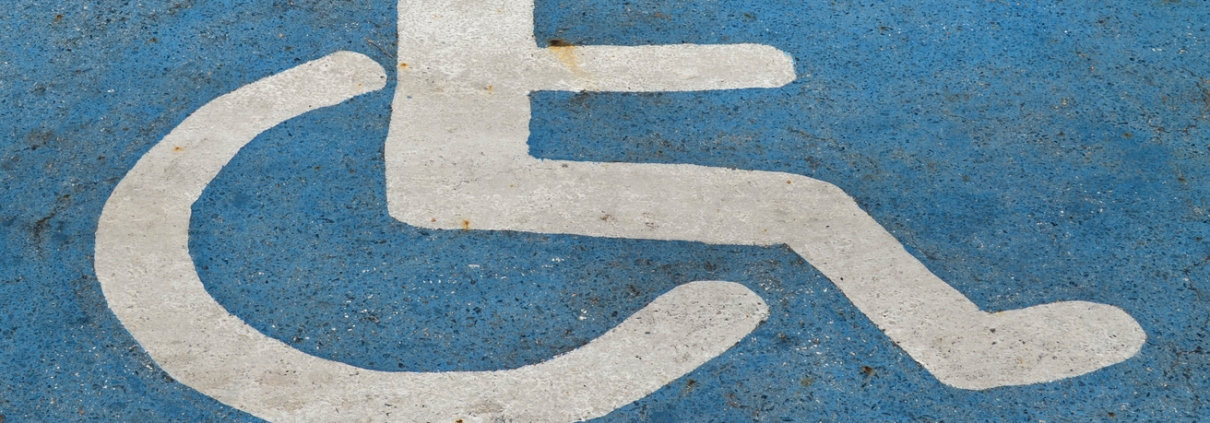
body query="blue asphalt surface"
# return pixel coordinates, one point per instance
(1026, 152)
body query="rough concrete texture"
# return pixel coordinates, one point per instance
(1025, 153)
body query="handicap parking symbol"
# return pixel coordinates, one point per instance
(519, 211)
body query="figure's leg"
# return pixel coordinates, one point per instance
(934, 323)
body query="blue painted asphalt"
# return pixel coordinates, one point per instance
(1026, 152)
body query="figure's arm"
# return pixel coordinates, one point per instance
(677, 67)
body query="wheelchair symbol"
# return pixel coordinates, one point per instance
(457, 158)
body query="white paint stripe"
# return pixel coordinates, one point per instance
(143, 264)
(686, 67)
(457, 157)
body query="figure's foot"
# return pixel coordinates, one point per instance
(1032, 345)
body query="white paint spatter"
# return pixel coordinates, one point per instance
(457, 157)
(145, 270)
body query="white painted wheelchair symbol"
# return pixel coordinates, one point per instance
(457, 157)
